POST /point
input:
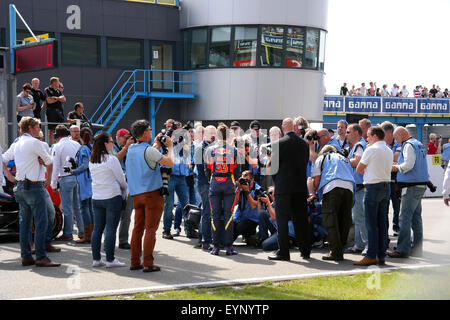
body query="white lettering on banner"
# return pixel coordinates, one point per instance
(434, 106)
(73, 22)
(332, 104)
(362, 105)
(399, 105)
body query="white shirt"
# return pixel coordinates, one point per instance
(25, 153)
(332, 184)
(446, 184)
(405, 93)
(63, 149)
(409, 158)
(378, 158)
(108, 179)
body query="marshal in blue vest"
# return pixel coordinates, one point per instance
(419, 173)
(141, 178)
(446, 152)
(359, 178)
(335, 166)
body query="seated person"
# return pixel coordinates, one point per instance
(268, 224)
(77, 114)
(245, 217)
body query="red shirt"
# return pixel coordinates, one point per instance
(432, 148)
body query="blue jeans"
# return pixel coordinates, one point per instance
(106, 216)
(269, 243)
(376, 202)
(87, 211)
(205, 234)
(70, 203)
(193, 199)
(176, 184)
(33, 203)
(396, 208)
(359, 220)
(51, 218)
(411, 218)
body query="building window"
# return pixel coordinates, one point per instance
(79, 51)
(219, 48)
(198, 48)
(245, 43)
(323, 36)
(271, 46)
(294, 47)
(124, 53)
(312, 48)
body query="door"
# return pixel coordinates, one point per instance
(162, 59)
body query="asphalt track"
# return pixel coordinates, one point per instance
(185, 267)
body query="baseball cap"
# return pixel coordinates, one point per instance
(122, 133)
(235, 124)
(255, 125)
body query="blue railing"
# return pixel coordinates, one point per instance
(143, 83)
(382, 106)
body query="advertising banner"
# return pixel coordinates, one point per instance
(399, 105)
(433, 106)
(333, 104)
(362, 104)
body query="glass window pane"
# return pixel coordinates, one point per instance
(124, 53)
(312, 48)
(198, 48)
(219, 48)
(80, 51)
(294, 47)
(323, 36)
(245, 43)
(271, 46)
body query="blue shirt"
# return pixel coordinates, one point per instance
(247, 213)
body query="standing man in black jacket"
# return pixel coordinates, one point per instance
(288, 162)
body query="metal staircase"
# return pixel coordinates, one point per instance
(140, 83)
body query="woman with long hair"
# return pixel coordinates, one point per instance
(85, 183)
(109, 188)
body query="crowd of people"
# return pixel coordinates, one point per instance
(266, 188)
(373, 91)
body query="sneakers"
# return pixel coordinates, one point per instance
(231, 251)
(353, 250)
(114, 264)
(215, 251)
(177, 232)
(98, 263)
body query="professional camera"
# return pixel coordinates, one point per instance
(165, 176)
(244, 181)
(313, 136)
(261, 193)
(73, 164)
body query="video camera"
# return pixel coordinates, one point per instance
(73, 164)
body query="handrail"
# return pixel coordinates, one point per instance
(115, 97)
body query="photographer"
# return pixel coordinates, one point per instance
(177, 182)
(246, 215)
(145, 183)
(64, 153)
(334, 181)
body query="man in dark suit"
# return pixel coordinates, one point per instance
(288, 162)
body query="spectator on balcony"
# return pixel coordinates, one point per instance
(385, 92)
(363, 90)
(54, 111)
(445, 94)
(417, 92)
(404, 92)
(352, 92)
(425, 93)
(439, 93)
(344, 90)
(378, 92)
(25, 103)
(394, 90)
(433, 91)
(372, 89)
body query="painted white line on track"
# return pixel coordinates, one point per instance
(227, 282)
